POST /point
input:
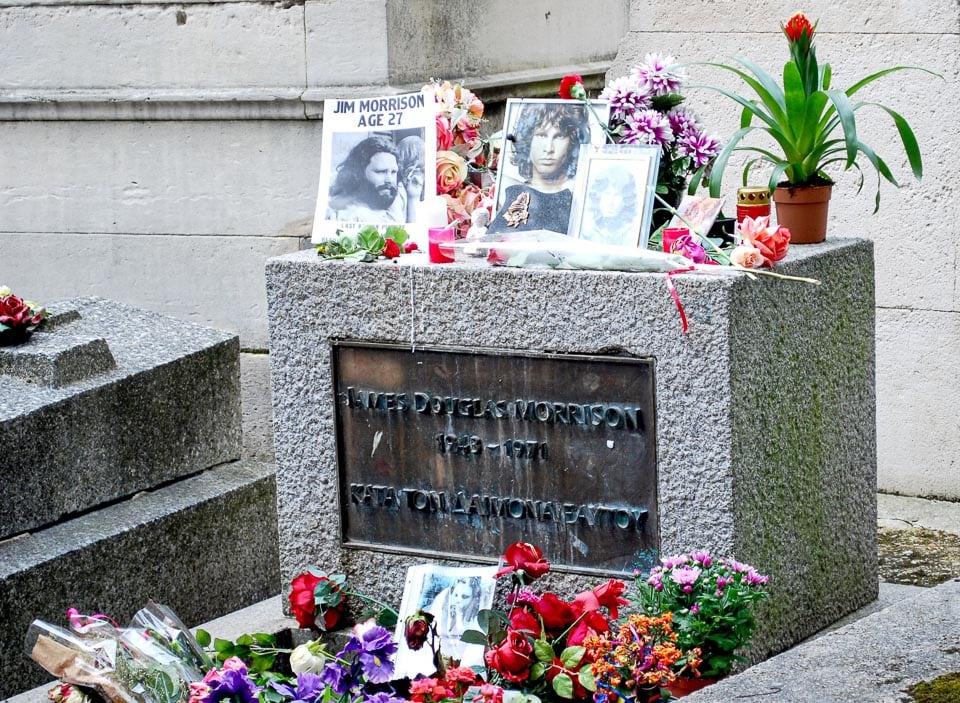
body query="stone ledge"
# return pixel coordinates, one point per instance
(56, 360)
(204, 546)
(275, 103)
(876, 658)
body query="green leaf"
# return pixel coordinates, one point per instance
(245, 640)
(491, 620)
(543, 650)
(795, 96)
(370, 239)
(203, 638)
(909, 140)
(563, 685)
(387, 617)
(847, 120)
(473, 637)
(538, 670)
(222, 645)
(397, 234)
(572, 656)
(586, 678)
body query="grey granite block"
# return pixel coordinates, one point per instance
(205, 546)
(170, 408)
(765, 413)
(874, 660)
(57, 359)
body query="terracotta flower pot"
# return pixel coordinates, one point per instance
(804, 212)
(684, 687)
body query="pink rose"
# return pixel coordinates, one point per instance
(451, 171)
(444, 133)
(747, 256)
(772, 241)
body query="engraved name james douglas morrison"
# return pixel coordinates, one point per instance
(615, 416)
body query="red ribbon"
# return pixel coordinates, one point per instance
(676, 298)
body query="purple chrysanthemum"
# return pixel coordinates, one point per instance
(675, 560)
(701, 147)
(682, 122)
(647, 127)
(686, 576)
(625, 95)
(703, 558)
(660, 74)
(374, 646)
(755, 578)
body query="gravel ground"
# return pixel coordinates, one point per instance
(918, 556)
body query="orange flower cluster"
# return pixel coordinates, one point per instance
(639, 658)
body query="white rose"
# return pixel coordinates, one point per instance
(308, 659)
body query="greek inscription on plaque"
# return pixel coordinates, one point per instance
(462, 452)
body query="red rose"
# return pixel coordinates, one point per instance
(15, 313)
(522, 620)
(301, 599)
(610, 595)
(391, 249)
(512, 657)
(557, 614)
(409, 246)
(796, 26)
(592, 623)
(304, 606)
(571, 87)
(526, 560)
(417, 629)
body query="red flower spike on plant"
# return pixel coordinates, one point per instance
(798, 28)
(526, 560)
(571, 87)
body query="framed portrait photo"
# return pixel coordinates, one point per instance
(613, 203)
(539, 162)
(454, 596)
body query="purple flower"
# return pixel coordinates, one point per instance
(625, 95)
(690, 248)
(674, 561)
(334, 676)
(738, 566)
(647, 127)
(309, 688)
(695, 608)
(375, 646)
(699, 146)
(383, 697)
(682, 122)
(755, 578)
(686, 577)
(660, 74)
(234, 685)
(702, 558)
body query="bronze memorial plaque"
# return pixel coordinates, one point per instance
(462, 452)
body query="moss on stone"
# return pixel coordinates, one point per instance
(943, 689)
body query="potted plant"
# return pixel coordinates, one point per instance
(712, 604)
(813, 125)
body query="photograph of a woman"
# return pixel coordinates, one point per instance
(454, 596)
(538, 163)
(614, 201)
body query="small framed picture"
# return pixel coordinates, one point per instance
(539, 161)
(454, 596)
(614, 201)
(697, 213)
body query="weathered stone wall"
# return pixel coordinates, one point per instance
(916, 232)
(158, 154)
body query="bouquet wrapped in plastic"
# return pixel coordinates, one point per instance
(154, 660)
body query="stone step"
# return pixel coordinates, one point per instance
(109, 401)
(204, 545)
(874, 659)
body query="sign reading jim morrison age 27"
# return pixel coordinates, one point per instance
(462, 452)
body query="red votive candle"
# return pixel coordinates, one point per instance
(672, 234)
(438, 253)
